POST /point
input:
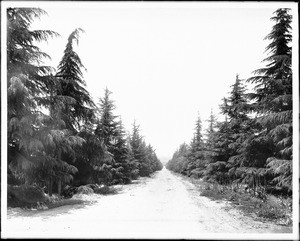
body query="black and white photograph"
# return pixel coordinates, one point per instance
(150, 120)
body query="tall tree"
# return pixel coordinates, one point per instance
(23, 77)
(73, 85)
(123, 166)
(136, 146)
(107, 125)
(197, 141)
(195, 155)
(141, 154)
(231, 133)
(111, 131)
(23, 56)
(179, 161)
(273, 97)
(210, 132)
(33, 137)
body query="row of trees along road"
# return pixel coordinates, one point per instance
(253, 145)
(56, 133)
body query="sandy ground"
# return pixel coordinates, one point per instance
(163, 206)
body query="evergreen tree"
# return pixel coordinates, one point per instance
(73, 85)
(23, 76)
(136, 142)
(33, 136)
(231, 133)
(179, 160)
(197, 141)
(141, 154)
(107, 125)
(136, 146)
(273, 97)
(210, 136)
(196, 152)
(23, 56)
(123, 166)
(91, 157)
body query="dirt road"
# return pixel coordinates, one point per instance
(163, 206)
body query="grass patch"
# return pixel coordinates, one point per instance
(266, 208)
(63, 202)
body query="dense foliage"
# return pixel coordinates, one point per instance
(56, 134)
(253, 146)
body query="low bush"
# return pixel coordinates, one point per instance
(25, 196)
(63, 202)
(269, 207)
(105, 190)
(84, 190)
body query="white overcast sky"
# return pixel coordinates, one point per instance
(164, 62)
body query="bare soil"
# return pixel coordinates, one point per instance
(163, 206)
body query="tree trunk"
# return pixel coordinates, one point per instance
(59, 187)
(59, 179)
(50, 183)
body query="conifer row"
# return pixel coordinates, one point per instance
(254, 144)
(57, 135)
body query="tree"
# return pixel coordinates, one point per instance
(136, 141)
(107, 124)
(195, 155)
(273, 97)
(210, 136)
(73, 85)
(179, 160)
(80, 107)
(23, 56)
(111, 132)
(231, 133)
(123, 167)
(197, 141)
(137, 146)
(141, 154)
(26, 82)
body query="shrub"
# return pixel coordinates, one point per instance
(24, 196)
(84, 190)
(105, 190)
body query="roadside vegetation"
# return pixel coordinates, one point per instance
(248, 157)
(60, 140)
(262, 206)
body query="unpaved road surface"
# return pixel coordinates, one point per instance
(163, 206)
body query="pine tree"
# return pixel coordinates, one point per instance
(24, 75)
(236, 106)
(142, 154)
(123, 167)
(197, 141)
(136, 141)
(231, 134)
(107, 125)
(136, 146)
(196, 153)
(33, 136)
(210, 134)
(23, 56)
(273, 97)
(73, 85)
(179, 161)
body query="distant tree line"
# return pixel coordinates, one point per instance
(56, 133)
(253, 145)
